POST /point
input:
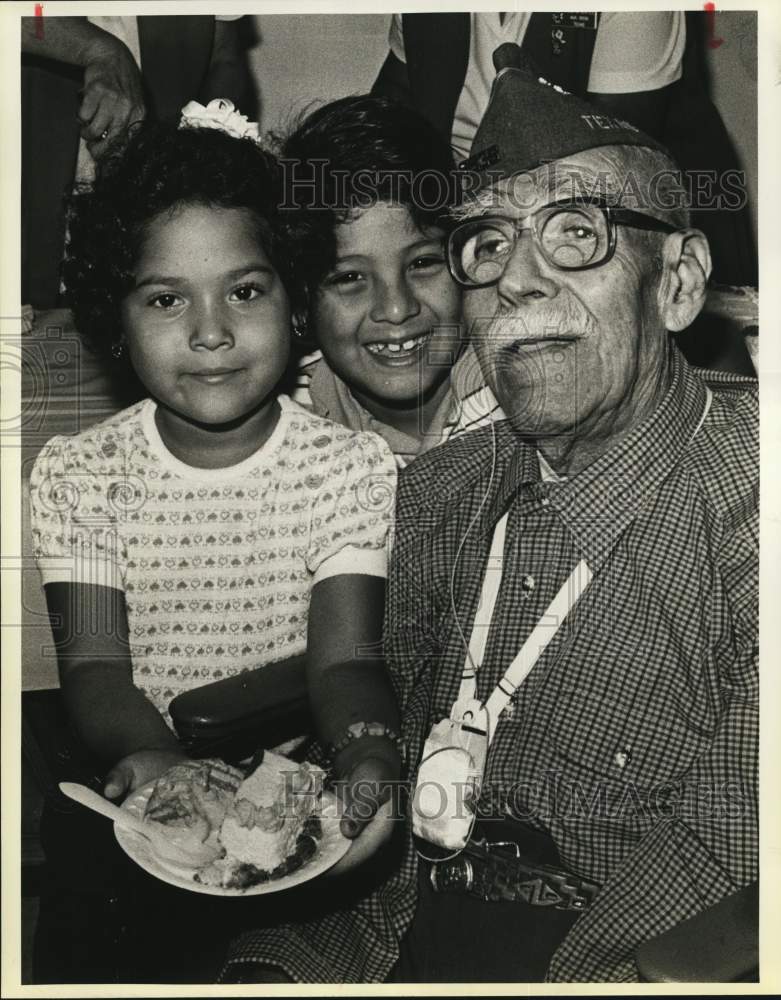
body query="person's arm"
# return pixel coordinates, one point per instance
(73, 40)
(703, 845)
(348, 684)
(636, 63)
(646, 109)
(347, 554)
(228, 75)
(112, 98)
(392, 80)
(111, 715)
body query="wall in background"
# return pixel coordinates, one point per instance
(303, 58)
(733, 78)
(298, 59)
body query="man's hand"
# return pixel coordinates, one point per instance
(228, 75)
(367, 818)
(112, 98)
(138, 769)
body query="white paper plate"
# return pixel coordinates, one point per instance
(330, 848)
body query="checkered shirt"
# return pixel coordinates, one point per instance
(634, 739)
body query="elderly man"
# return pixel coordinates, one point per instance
(573, 588)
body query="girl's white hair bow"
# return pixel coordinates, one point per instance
(219, 114)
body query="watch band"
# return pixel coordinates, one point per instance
(360, 729)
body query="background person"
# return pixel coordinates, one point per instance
(84, 80)
(647, 67)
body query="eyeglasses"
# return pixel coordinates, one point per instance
(570, 236)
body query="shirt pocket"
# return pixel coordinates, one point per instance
(639, 726)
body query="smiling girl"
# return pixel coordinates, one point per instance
(368, 183)
(216, 526)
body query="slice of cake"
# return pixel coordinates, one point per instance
(271, 814)
(192, 798)
(246, 830)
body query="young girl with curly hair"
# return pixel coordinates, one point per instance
(215, 526)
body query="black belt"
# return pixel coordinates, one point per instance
(497, 871)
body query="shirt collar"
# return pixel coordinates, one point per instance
(547, 473)
(517, 467)
(332, 398)
(601, 501)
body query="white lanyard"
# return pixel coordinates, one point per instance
(541, 635)
(536, 643)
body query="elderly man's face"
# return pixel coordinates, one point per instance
(569, 352)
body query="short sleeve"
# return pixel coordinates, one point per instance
(396, 38)
(637, 51)
(353, 510)
(74, 532)
(301, 393)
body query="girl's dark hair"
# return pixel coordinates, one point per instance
(347, 156)
(159, 168)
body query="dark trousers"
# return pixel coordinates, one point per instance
(457, 938)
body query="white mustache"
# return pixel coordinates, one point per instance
(503, 331)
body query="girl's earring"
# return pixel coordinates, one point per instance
(117, 350)
(299, 329)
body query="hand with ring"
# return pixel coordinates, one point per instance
(112, 98)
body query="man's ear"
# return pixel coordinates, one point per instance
(686, 267)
